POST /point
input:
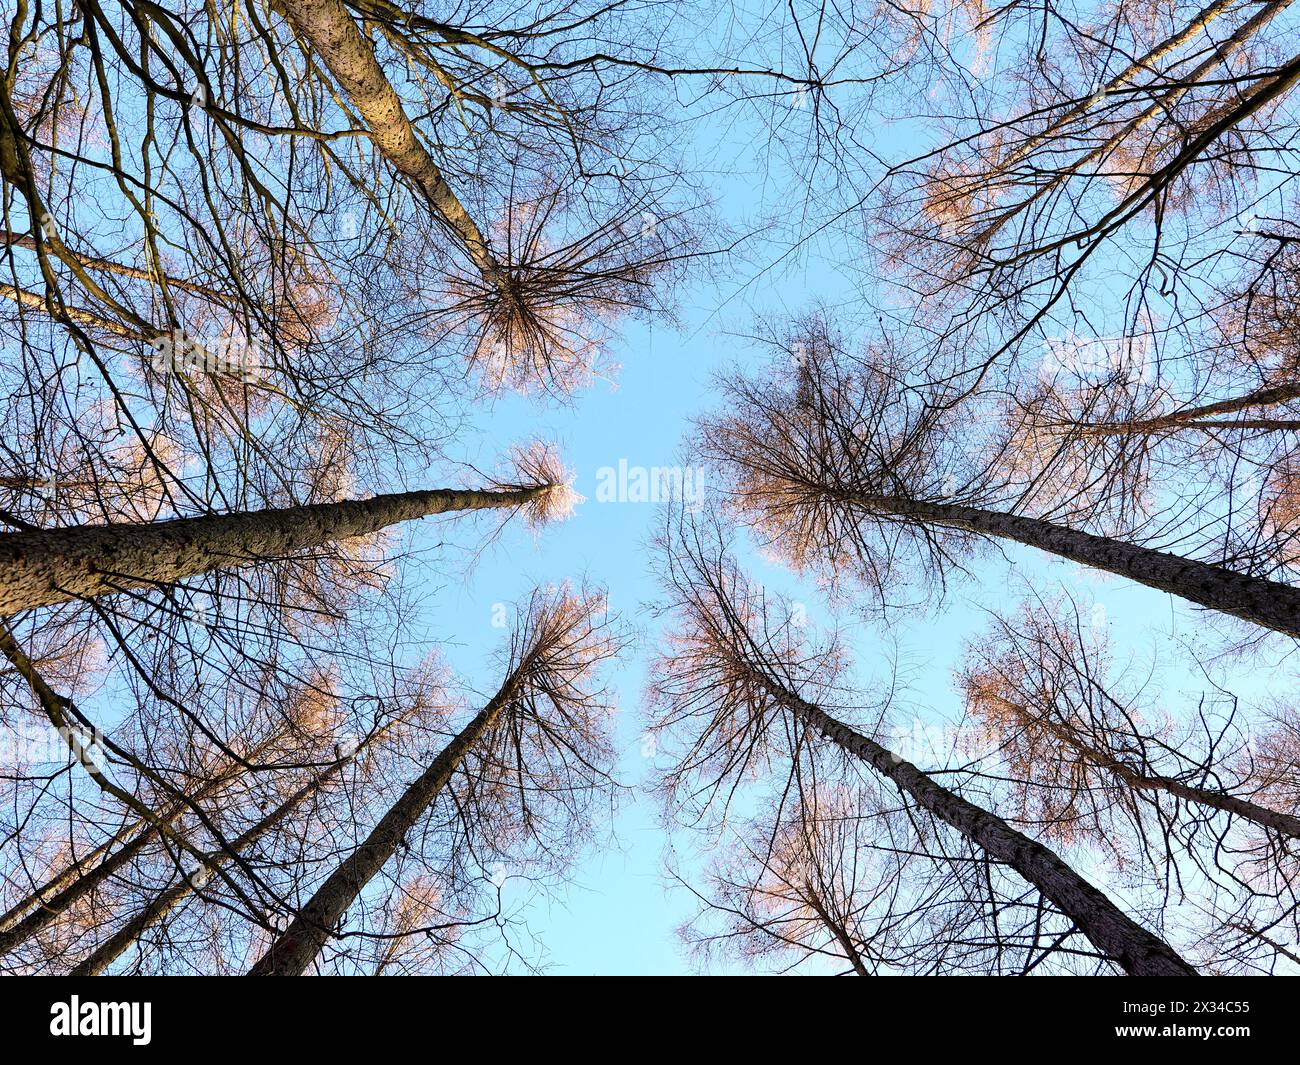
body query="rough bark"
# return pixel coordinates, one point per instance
(333, 35)
(1285, 824)
(1137, 951)
(166, 901)
(56, 565)
(296, 947)
(1268, 603)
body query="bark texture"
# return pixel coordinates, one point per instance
(1268, 603)
(333, 35)
(53, 566)
(293, 951)
(1137, 951)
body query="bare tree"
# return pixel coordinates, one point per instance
(846, 463)
(80, 878)
(42, 568)
(166, 901)
(734, 683)
(545, 701)
(1040, 679)
(853, 881)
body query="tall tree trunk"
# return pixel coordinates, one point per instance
(1207, 416)
(1285, 824)
(72, 726)
(1116, 935)
(22, 240)
(166, 901)
(332, 33)
(81, 316)
(1142, 65)
(1268, 603)
(836, 929)
(294, 949)
(54, 897)
(1162, 106)
(55, 565)
(46, 894)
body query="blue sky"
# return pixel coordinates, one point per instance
(618, 914)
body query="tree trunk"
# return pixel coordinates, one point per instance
(1285, 824)
(332, 33)
(838, 930)
(166, 901)
(295, 948)
(1268, 603)
(34, 302)
(54, 897)
(1207, 416)
(1137, 66)
(1113, 933)
(52, 566)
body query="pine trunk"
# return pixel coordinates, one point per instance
(1208, 415)
(1286, 824)
(45, 906)
(837, 929)
(296, 947)
(166, 901)
(1268, 603)
(1117, 936)
(332, 33)
(52, 566)
(52, 898)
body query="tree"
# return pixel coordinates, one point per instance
(836, 467)
(734, 681)
(1040, 679)
(1081, 135)
(166, 901)
(78, 879)
(544, 702)
(266, 265)
(233, 323)
(852, 879)
(42, 567)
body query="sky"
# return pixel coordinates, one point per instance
(618, 913)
